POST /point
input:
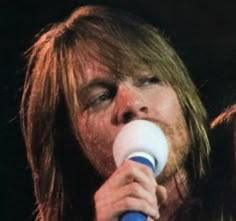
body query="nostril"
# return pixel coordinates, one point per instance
(144, 109)
(127, 116)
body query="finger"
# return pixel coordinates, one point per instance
(161, 194)
(150, 219)
(131, 171)
(133, 189)
(134, 204)
(137, 191)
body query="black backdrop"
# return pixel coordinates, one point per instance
(203, 32)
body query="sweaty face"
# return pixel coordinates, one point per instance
(109, 103)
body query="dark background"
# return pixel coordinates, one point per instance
(203, 32)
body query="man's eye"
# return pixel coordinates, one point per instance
(149, 81)
(100, 99)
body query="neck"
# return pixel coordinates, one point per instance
(177, 191)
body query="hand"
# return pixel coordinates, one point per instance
(131, 187)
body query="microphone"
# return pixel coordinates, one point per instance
(144, 142)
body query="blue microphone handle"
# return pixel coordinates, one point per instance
(135, 215)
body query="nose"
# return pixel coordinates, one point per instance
(130, 104)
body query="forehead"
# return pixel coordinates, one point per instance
(95, 69)
(102, 58)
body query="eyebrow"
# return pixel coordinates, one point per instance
(97, 82)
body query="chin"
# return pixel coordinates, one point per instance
(105, 168)
(175, 165)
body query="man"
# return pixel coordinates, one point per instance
(88, 76)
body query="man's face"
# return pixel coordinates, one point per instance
(109, 103)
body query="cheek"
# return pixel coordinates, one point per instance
(96, 137)
(170, 116)
(93, 132)
(175, 118)
(167, 107)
